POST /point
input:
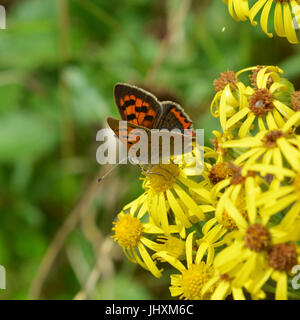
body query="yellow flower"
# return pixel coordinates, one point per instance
(238, 105)
(279, 261)
(286, 17)
(255, 253)
(189, 284)
(168, 187)
(132, 234)
(264, 103)
(199, 280)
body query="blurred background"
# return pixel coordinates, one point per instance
(59, 61)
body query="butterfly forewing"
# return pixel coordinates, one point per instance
(136, 105)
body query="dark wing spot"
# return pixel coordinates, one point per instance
(127, 103)
(148, 118)
(141, 109)
(131, 117)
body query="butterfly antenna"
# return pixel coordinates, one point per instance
(109, 171)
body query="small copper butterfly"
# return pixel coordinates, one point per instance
(142, 110)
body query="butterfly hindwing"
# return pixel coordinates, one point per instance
(136, 105)
(122, 131)
(173, 117)
(130, 139)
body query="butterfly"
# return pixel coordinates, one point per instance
(142, 110)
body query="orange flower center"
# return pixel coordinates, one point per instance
(225, 78)
(257, 238)
(283, 256)
(271, 137)
(219, 172)
(261, 102)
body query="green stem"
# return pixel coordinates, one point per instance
(268, 288)
(198, 228)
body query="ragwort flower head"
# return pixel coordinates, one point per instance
(264, 105)
(169, 190)
(134, 231)
(258, 253)
(198, 280)
(286, 18)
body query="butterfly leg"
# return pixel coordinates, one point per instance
(166, 170)
(148, 172)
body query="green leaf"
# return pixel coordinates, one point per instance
(30, 39)
(88, 104)
(25, 137)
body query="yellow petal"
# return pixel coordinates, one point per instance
(289, 24)
(264, 18)
(245, 127)
(171, 260)
(245, 272)
(222, 291)
(291, 122)
(281, 288)
(283, 109)
(255, 9)
(236, 118)
(176, 208)
(278, 20)
(291, 154)
(250, 199)
(238, 294)
(189, 249)
(148, 261)
(236, 215)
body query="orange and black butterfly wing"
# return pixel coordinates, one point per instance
(173, 116)
(122, 131)
(136, 105)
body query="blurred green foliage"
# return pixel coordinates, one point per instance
(59, 61)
